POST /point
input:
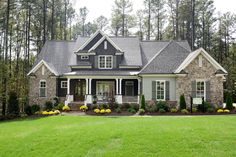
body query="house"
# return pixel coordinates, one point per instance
(123, 68)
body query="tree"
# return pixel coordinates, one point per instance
(182, 103)
(13, 104)
(83, 15)
(229, 102)
(101, 22)
(143, 103)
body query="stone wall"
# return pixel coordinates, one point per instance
(206, 72)
(34, 87)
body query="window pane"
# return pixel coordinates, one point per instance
(42, 92)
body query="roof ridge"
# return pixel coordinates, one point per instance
(156, 56)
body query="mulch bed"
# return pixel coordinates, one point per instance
(190, 114)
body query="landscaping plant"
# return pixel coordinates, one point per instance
(182, 103)
(13, 104)
(35, 108)
(48, 105)
(162, 105)
(229, 102)
(142, 102)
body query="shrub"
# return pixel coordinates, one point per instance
(13, 104)
(126, 106)
(210, 110)
(56, 101)
(28, 110)
(229, 102)
(131, 110)
(48, 105)
(83, 108)
(96, 110)
(45, 113)
(185, 111)
(141, 111)
(102, 111)
(194, 109)
(182, 103)
(204, 106)
(115, 105)
(134, 106)
(220, 111)
(226, 111)
(151, 106)
(161, 110)
(173, 110)
(94, 106)
(143, 102)
(35, 108)
(59, 106)
(104, 106)
(108, 110)
(118, 110)
(66, 108)
(162, 105)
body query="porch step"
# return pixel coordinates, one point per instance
(75, 105)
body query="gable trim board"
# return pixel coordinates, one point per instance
(42, 62)
(90, 39)
(101, 40)
(193, 55)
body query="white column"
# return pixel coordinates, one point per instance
(139, 81)
(117, 86)
(68, 86)
(90, 86)
(86, 86)
(120, 89)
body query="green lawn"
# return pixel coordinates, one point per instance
(164, 136)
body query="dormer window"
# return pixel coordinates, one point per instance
(83, 57)
(105, 62)
(105, 45)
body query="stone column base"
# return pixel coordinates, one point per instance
(89, 99)
(118, 99)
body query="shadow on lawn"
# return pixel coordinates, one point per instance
(18, 118)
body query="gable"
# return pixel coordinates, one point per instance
(43, 65)
(192, 56)
(100, 50)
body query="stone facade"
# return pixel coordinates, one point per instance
(34, 86)
(207, 73)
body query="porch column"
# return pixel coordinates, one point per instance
(68, 86)
(139, 83)
(117, 86)
(90, 86)
(120, 89)
(86, 86)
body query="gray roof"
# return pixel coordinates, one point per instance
(57, 54)
(167, 60)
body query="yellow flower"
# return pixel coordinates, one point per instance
(83, 108)
(220, 111)
(226, 111)
(45, 113)
(102, 111)
(108, 110)
(56, 112)
(66, 108)
(96, 110)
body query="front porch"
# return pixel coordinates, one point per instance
(103, 90)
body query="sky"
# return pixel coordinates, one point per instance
(104, 7)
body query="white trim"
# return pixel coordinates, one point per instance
(105, 45)
(64, 82)
(200, 60)
(193, 55)
(105, 63)
(158, 75)
(81, 66)
(43, 69)
(85, 53)
(164, 81)
(128, 66)
(90, 39)
(42, 62)
(201, 80)
(43, 80)
(101, 40)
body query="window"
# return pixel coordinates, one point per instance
(84, 57)
(105, 62)
(160, 90)
(63, 84)
(105, 45)
(200, 89)
(42, 88)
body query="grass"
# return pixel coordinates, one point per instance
(164, 136)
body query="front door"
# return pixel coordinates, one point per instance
(105, 89)
(80, 90)
(129, 88)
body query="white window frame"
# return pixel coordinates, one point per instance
(105, 45)
(43, 69)
(204, 94)
(62, 85)
(164, 81)
(43, 88)
(105, 61)
(200, 60)
(84, 57)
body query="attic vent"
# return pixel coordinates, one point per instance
(105, 45)
(200, 61)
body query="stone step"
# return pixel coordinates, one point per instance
(75, 105)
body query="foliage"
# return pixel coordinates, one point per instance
(66, 108)
(162, 105)
(173, 110)
(131, 110)
(143, 103)
(48, 105)
(226, 111)
(28, 110)
(204, 106)
(118, 110)
(96, 110)
(182, 103)
(13, 104)
(194, 109)
(151, 106)
(102, 111)
(59, 106)
(35, 108)
(56, 101)
(51, 112)
(229, 102)
(108, 110)
(220, 111)
(134, 106)
(210, 110)
(185, 111)
(162, 110)
(104, 106)
(126, 106)
(141, 111)
(83, 108)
